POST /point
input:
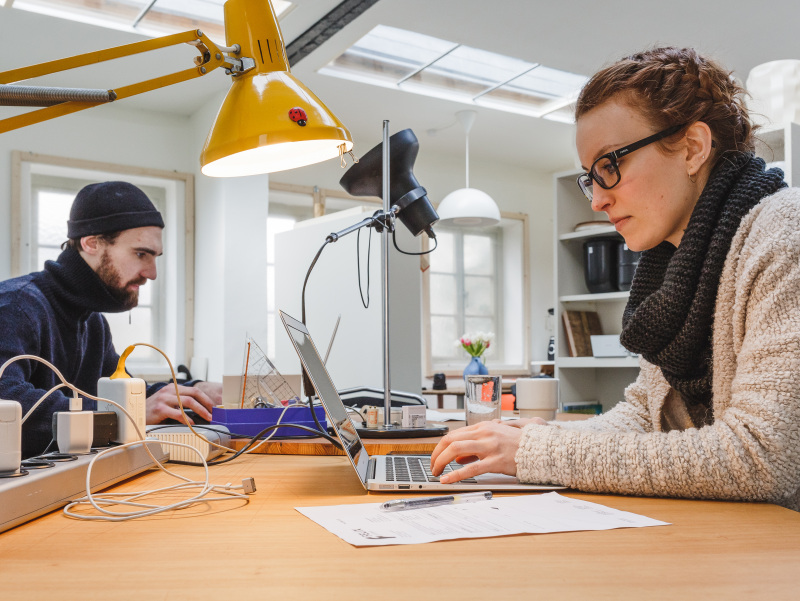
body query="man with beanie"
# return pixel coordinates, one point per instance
(114, 236)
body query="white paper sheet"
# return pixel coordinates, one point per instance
(366, 525)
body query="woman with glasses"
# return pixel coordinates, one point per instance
(714, 308)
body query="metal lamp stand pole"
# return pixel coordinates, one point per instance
(387, 388)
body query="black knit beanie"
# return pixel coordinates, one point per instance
(110, 207)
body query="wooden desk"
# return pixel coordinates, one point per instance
(267, 550)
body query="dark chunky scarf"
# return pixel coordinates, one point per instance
(76, 288)
(670, 312)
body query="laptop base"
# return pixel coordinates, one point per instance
(400, 432)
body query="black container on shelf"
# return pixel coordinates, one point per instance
(600, 264)
(627, 260)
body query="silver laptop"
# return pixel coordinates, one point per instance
(383, 472)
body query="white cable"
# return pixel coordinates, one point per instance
(49, 392)
(148, 509)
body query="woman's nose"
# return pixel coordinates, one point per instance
(601, 198)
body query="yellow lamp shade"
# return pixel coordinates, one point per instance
(271, 122)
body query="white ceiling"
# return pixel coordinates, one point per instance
(577, 35)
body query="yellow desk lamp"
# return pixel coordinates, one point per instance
(268, 122)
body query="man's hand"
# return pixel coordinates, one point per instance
(485, 447)
(164, 404)
(213, 390)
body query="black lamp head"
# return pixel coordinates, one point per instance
(365, 178)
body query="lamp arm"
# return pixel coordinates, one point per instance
(379, 220)
(210, 58)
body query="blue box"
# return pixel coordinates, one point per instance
(249, 422)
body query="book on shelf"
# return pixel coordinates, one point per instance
(586, 407)
(579, 327)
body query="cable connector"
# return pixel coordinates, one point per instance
(248, 485)
(76, 403)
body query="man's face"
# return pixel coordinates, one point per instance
(129, 262)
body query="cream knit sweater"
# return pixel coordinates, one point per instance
(751, 451)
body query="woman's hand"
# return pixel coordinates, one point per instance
(485, 447)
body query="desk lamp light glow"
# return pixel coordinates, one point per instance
(268, 122)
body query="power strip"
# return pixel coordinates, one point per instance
(27, 497)
(182, 434)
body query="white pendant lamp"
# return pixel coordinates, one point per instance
(468, 207)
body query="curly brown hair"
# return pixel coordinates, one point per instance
(671, 86)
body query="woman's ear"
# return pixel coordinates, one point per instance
(698, 147)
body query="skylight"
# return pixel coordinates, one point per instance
(149, 17)
(400, 59)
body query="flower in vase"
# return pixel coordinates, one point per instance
(476, 344)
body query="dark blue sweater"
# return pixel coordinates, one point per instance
(54, 314)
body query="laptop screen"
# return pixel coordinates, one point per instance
(326, 391)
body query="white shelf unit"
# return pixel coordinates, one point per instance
(584, 378)
(781, 145)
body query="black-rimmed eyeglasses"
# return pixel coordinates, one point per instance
(605, 169)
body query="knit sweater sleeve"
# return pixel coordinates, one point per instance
(752, 449)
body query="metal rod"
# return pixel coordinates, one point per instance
(387, 386)
(40, 96)
(142, 14)
(333, 337)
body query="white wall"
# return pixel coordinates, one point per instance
(231, 261)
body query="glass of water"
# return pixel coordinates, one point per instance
(483, 398)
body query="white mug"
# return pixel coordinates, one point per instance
(537, 397)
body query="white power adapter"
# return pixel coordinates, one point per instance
(130, 393)
(10, 436)
(74, 429)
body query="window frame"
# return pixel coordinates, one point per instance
(506, 369)
(21, 213)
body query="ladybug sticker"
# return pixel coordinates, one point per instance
(298, 115)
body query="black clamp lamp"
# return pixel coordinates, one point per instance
(386, 171)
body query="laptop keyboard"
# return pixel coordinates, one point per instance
(401, 468)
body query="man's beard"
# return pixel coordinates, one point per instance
(127, 299)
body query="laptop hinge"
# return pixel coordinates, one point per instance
(371, 469)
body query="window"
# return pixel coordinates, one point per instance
(164, 315)
(463, 289)
(413, 62)
(476, 282)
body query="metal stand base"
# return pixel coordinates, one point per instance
(400, 432)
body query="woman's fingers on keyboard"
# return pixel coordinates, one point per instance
(493, 444)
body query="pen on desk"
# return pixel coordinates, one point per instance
(402, 504)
